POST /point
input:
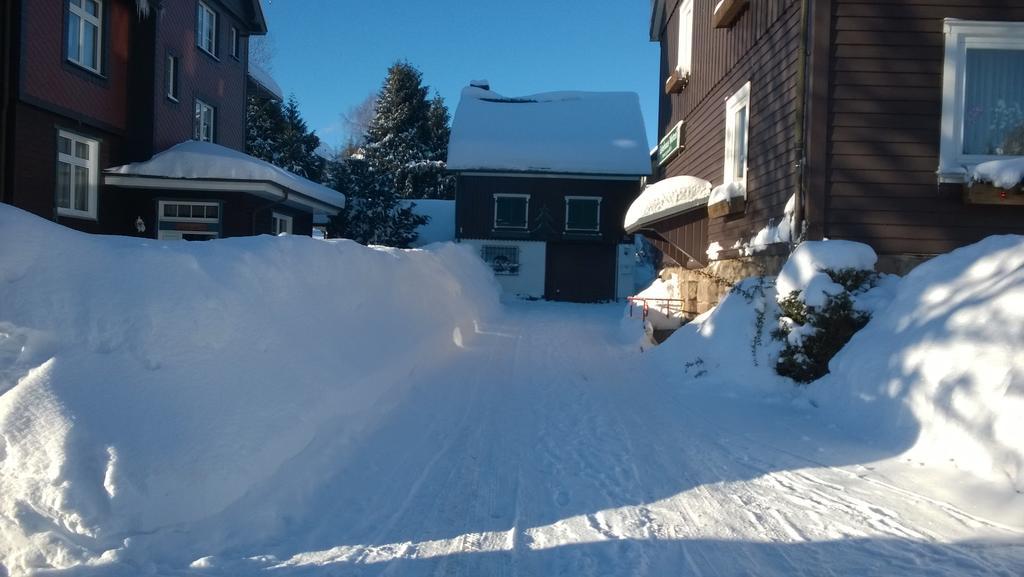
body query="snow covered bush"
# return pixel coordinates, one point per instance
(817, 288)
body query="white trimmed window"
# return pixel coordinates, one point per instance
(85, 33)
(206, 28)
(206, 116)
(172, 77)
(77, 175)
(685, 57)
(511, 211)
(583, 213)
(982, 95)
(280, 224)
(234, 43)
(188, 220)
(737, 132)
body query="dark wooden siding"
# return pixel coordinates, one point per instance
(761, 47)
(474, 206)
(885, 115)
(686, 237)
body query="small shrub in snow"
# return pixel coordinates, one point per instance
(755, 294)
(813, 333)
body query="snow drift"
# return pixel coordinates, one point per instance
(146, 384)
(943, 363)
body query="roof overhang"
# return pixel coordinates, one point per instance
(258, 19)
(665, 214)
(260, 188)
(658, 19)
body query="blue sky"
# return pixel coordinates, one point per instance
(332, 53)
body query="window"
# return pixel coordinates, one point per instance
(583, 213)
(280, 224)
(504, 260)
(685, 62)
(85, 32)
(205, 118)
(234, 42)
(206, 29)
(982, 95)
(188, 220)
(737, 129)
(77, 175)
(172, 77)
(511, 210)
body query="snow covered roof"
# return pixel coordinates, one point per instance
(560, 132)
(216, 167)
(263, 79)
(666, 198)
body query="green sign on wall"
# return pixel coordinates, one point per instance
(671, 143)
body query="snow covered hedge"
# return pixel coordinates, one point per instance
(145, 384)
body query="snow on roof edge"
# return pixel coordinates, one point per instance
(195, 160)
(264, 79)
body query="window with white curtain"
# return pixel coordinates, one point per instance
(982, 96)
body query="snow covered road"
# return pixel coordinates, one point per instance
(545, 448)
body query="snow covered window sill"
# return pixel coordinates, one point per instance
(984, 62)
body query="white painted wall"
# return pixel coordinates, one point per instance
(532, 259)
(625, 262)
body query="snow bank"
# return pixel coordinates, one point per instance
(576, 132)
(727, 345)
(147, 384)
(665, 198)
(809, 259)
(942, 364)
(1006, 173)
(774, 232)
(205, 160)
(661, 314)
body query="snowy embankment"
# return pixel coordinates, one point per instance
(937, 372)
(145, 385)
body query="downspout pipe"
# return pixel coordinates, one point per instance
(803, 86)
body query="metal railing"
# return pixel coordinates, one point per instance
(667, 307)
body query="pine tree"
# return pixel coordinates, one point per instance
(264, 122)
(296, 145)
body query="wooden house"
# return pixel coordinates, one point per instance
(543, 183)
(840, 119)
(89, 85)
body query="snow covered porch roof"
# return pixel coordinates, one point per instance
(264, 83)
(665, 199)
(556, 132)
(194, 165)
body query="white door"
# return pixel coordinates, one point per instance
(625, 263)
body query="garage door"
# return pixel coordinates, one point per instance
(580, 272)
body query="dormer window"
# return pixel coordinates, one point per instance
(85, 33)
(206, 29)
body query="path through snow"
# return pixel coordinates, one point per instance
(544, 449)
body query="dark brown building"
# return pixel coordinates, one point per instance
(543, 183)
(94, 84)
(834, 119)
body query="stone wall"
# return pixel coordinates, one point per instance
(702, 288)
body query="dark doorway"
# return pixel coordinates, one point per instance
(580, 272)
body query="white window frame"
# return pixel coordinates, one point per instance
(235, 43)
(684, 57)
(199, 131)
(206, 18)
(177, 234)
(596, 228)
(172, 77)
(85, 18)
(276, 220)
(526, 223)
(92, 165)
(961, 35)
(738, 100)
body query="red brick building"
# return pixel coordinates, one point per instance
(92, 84)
